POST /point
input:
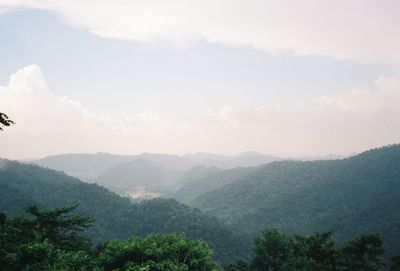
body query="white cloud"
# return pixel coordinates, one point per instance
(347, 29)
(346, 122)
(46, 123)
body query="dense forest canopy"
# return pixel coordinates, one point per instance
(357, 195)
(116, 217)
(52, 240)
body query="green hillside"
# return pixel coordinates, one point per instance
(353, 196)
(211, 179)
(116, 217)
(139, 172)
(86, 166)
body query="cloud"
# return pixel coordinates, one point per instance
(366, 30)
(346, 122)
(46, 123)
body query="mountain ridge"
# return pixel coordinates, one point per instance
(354, 195)
(116, 217)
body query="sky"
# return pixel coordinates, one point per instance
(287, 78)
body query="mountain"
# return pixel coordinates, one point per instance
(169, 161)
(193, 175)
(245, 159)
(209, 180)
(148, 175)
(357, 195)
(139, 173)
(90, 166)
(85, 166)
(206, 156)
(116, 217)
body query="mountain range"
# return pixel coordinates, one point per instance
(356, 195)
(154, 173)
(359, 194)
(116, 217)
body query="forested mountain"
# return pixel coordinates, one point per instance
(245, 159)
(209, 181)
(139, 176)
(194, 174)
(116, 217)
(150, 175)
(139, 172)
(52, 240)
(86, 166)
(89, 166)
(353, 196)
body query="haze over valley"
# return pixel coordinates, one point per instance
(199, 135)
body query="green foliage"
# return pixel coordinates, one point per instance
(47, 240)
(395, 266)
(363, 253)
(59, 227)
(169, 252)
(275, 251)
(200, 180)
(353, 196)
(238, 266)
(116, 217)
(51, 240)
(272, 251)
(5, 121)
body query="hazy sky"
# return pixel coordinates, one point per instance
(288, 78)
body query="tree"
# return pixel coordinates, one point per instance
(5, 121)
(48, 240)
(316, 251)
(275, 251)
(157, 252)
(238, 266)
(395, 264)
(60, 228)
(364, 253)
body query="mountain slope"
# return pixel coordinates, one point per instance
(211, 180)
(139, 172)
(86, 166)
(245, 159)
(116, 217)
(89, 166)
(352, 196)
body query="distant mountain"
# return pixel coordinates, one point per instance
(193, 175)
(206, 182)
(85, 166)
(204, 156)
(148, 175)
(129, 176)
(323, 157)
(169, 161)
(116, 217)
(245, 159)
(360, 194)
(151, 175)
(90, 166)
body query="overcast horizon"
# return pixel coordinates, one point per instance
(282, 78)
